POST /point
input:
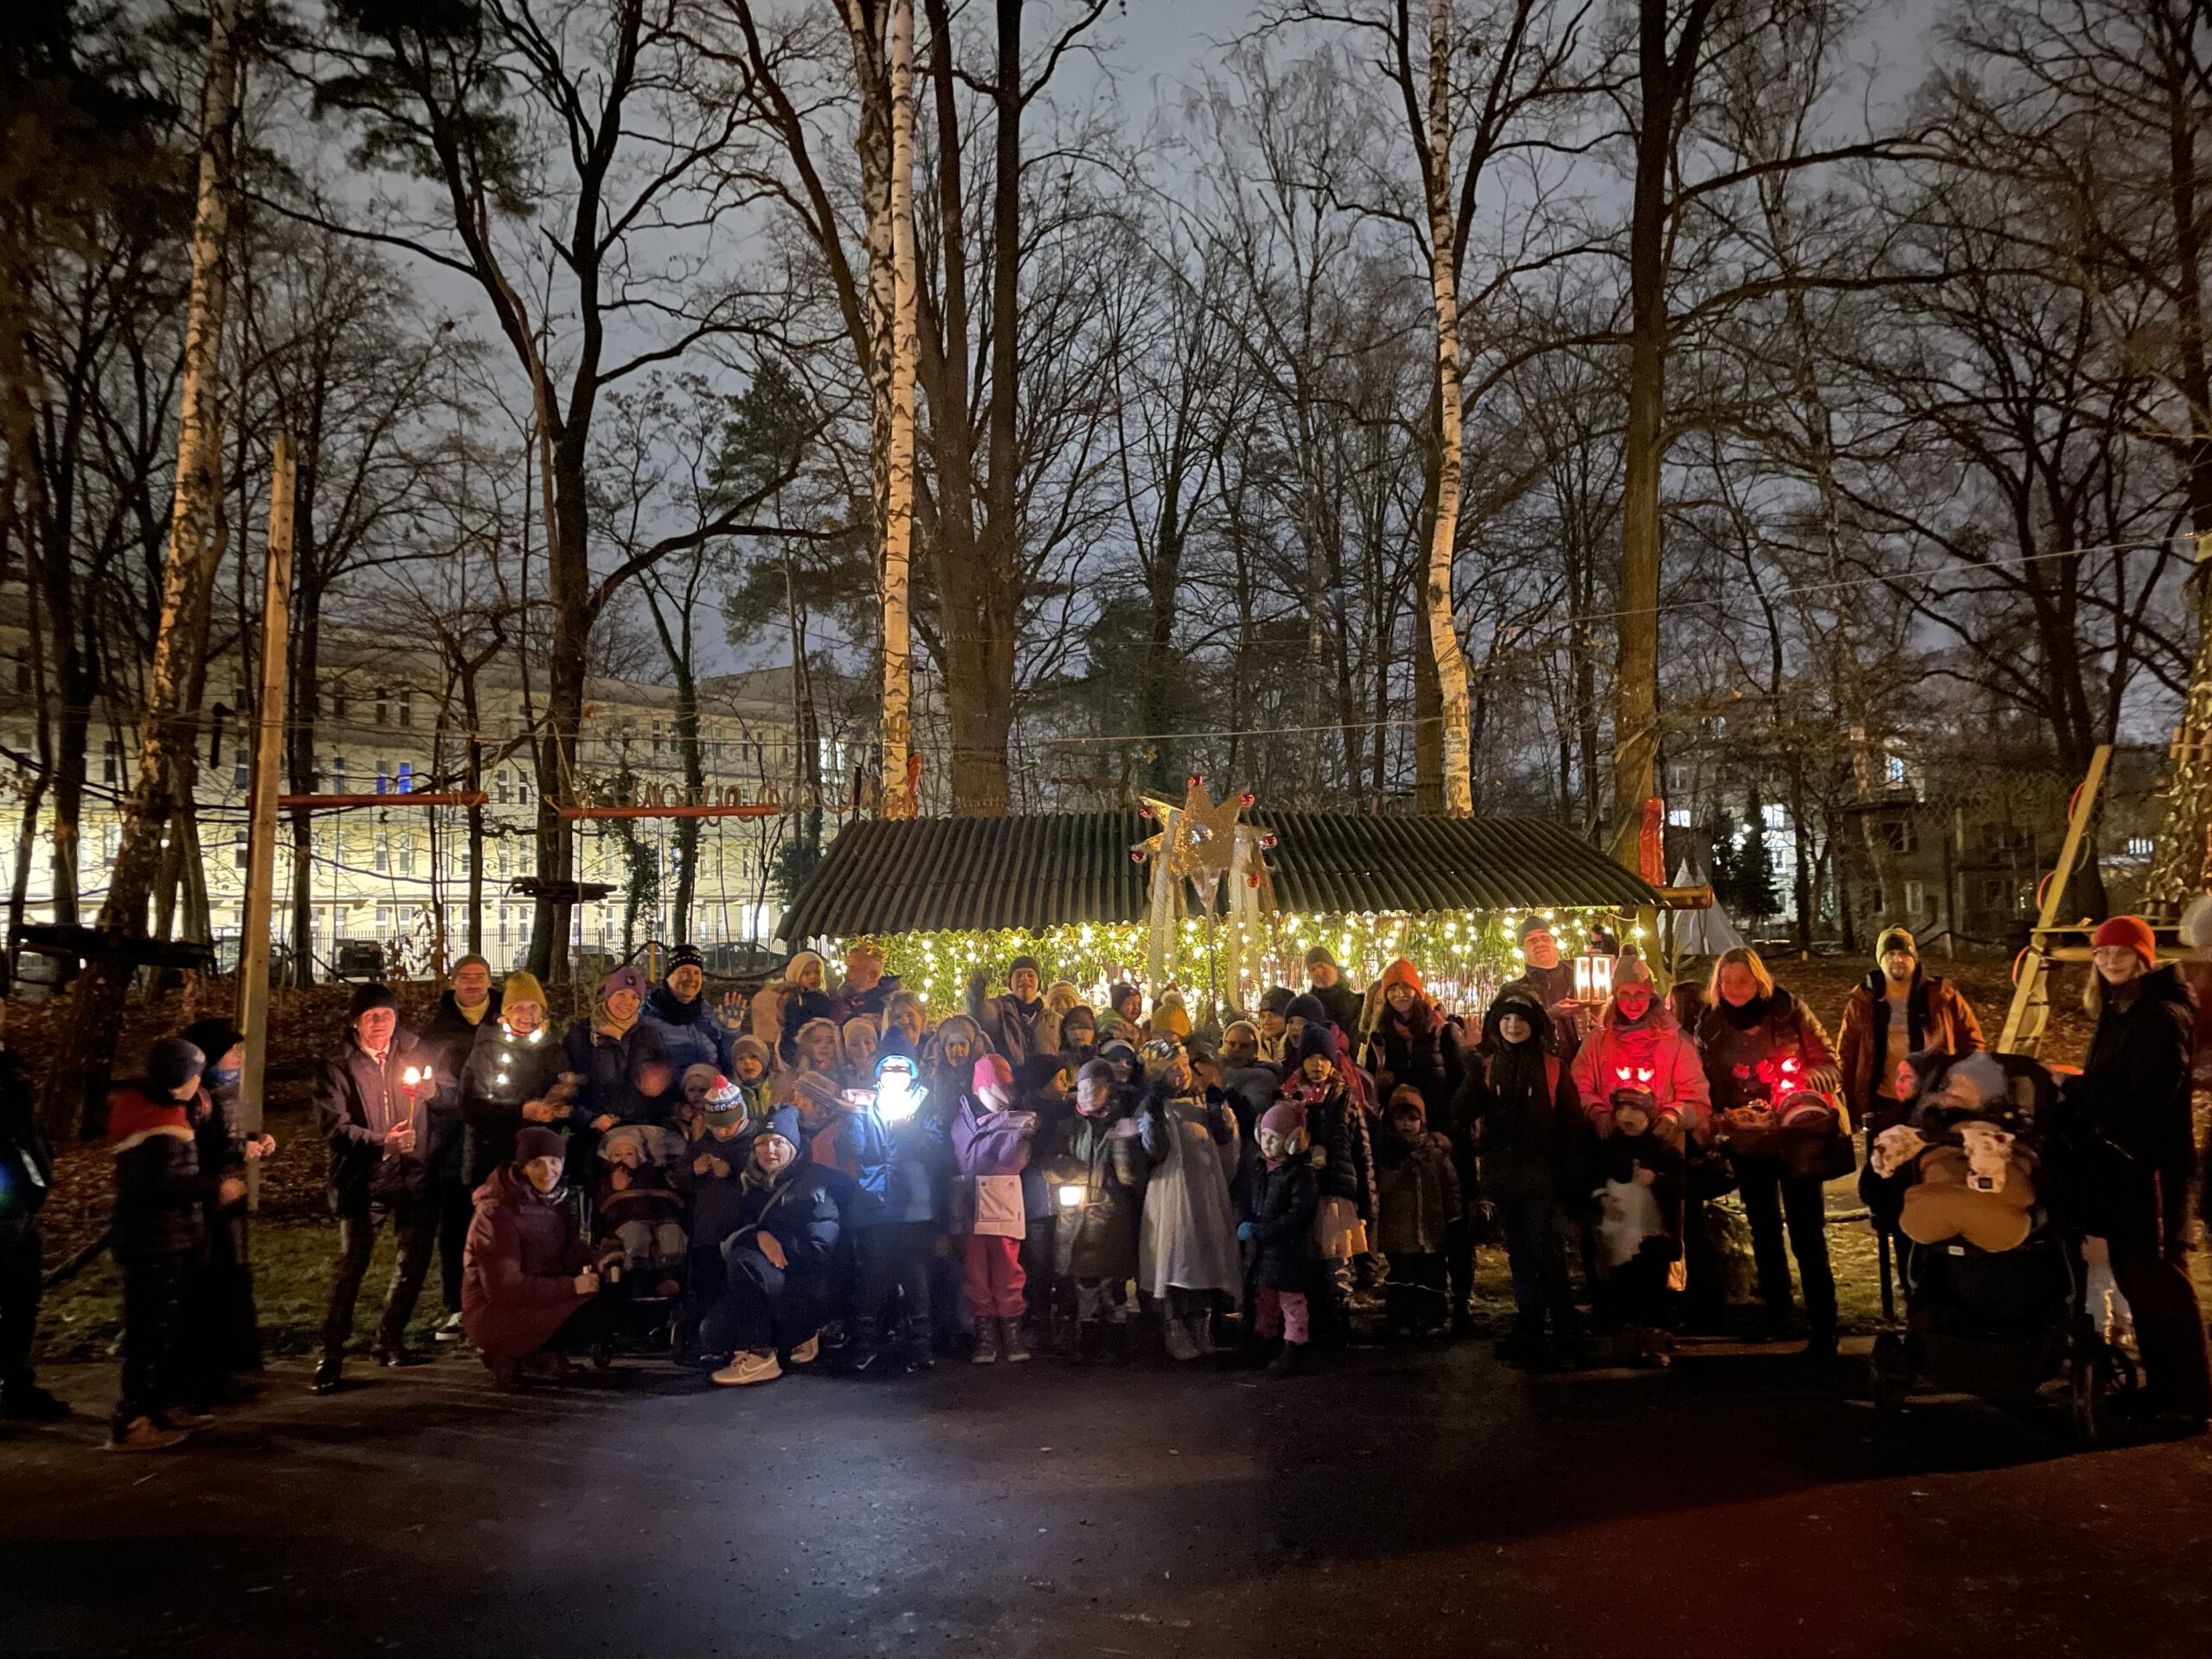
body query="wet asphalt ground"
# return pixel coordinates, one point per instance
(1394, 1501)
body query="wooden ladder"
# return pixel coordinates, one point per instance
(2030, 1010)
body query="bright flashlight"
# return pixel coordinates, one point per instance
(1071, 1196)
(897, 1095)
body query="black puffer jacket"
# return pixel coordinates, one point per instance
(504, 1072)
(798, 1209)
(2134, 1092)
(162, 1195)
(1531, 1135)
(1284, 1201)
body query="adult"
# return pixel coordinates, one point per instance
(1636, 1041)
(377, 1126)
(1273, 1023)
(1325, 982)
(1010, 1020)
(776, 1261)
(2134, 1095)
(1752, 1035)
(866, 989)
(1125, 1002)
(26, 1178)
(222, 1336)
(905, 1017)
(691, 1034)
(1413, 1045)
(530, 1286)
(513, 1077)
(1896, 1011)
(1549, 978)
(1532, 1140)
(449, 1033)
(610, 1051)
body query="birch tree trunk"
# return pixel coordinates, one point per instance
(895, 728)
(1443, 627)
(75, 1097)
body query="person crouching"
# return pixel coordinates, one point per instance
(776, 1263)
(529, 1287)
(1281, 1205)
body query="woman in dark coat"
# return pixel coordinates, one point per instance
(513, 1069)
(2133, 1094)
(1758, 1041)
(526, 1276)
(778, 1262)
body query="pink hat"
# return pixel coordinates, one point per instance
(992, 1072)
(1284, 1117)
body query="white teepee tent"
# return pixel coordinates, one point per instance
(1702, 932)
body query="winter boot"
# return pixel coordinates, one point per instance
(986, 1342)
(917, 1352)
(1181, 1346)
(328, 1374)
(1525, 1345)
(1821, 1347)
(1289, 1362)
(27, 1403)
(863, 1348)
(1089, 1341)
(1010, 1340)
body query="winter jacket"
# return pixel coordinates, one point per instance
(503, 1072)
(1344, 1149)
(1937, 1020)
(1617, 1160)
(850, 1004)
(798, 1209)
(1742, 1047)
(1418, 1196)
(609, 1064)
(689, 1034)
(1281, 1204)
(860, 1146)
(1096, 1239)
(162, 1196)
(356, 1101)
(1616, 1055)
(1341, 1004)
(2134, 1091)
(798, 1008)
(448, 1036)
(26, 1155)
(1011, 1023)
(1530, 1142)
(519, 1267)
(718, 1200)
(1423, 1053)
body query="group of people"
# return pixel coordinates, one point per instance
(826, 1176)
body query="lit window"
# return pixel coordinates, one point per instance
(2138, 847)
(1678, 817)
(1774, 817)
(1893, 767)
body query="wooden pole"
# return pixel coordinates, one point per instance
(261, 801)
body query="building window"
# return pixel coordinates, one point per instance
(502, 787)
(241, 772)
(238, 856)
(1915, 898)
(506, 858)
(1774, 817)
(1898, 833)
(111, 842)
(1678, 778)
(338, 705)
(23, 677)
(1678, 817)
(407, 708)
(384, 919)
(407, 855)
(2138, 847)
(337, 774)
(111, 762)
(1893, 769)
(383, 708)
(521, 789)
(382, 856)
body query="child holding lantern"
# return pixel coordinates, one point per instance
(1097, 1177)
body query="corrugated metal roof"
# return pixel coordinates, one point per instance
(923, 876)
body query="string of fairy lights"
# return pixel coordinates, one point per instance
(1465, 957)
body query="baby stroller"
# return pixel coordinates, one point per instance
(648, 1215)
(1996, 1292)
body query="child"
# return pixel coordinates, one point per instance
(749, 1069)
(698, 1081)
(718, 1160)
(641, 1201)
(991, 1146)
(1097, 1175)
(1279, 1225)
(1418, 1193)
(1640, 1224)
(1344, 1165)
(859, 1040)
(900, 1160)
(1186, 1247)
(1041, 1088)
(160, 1234)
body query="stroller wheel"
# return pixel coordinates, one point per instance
(2092, 1379)
(603, 1355)
(1892, 1368)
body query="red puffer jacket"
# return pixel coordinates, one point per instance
(518, 1273)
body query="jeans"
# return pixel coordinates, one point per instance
(1771, 1194)
(1534, 1252)
(415, 1226)
(747, 1319)
(2169, 1326)
(153, 1297)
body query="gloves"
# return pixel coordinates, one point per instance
(1247, 1231)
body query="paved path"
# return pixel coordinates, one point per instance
(1398, 1502)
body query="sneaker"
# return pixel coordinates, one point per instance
(450, 1331)
(1010, 1340)
(327, 1375)
(747, 1369)
(986, 1342)
(144, 1434)
(391, 1358)
(29, 1403)
(808, 1351)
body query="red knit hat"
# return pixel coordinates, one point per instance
(1401, 972)
(991, 1069)
(2130, 933)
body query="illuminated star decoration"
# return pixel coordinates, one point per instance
(1205, 839)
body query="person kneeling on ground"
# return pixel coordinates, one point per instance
(529, 1286)
(776, 1261)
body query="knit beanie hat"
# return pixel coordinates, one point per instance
(1319, 955)
(171, 1063)
(369, 998)
(1896, 938)
(1307, 1007)
(1284, 1117)
(1530, 925)
(625, 978)
(701, 1076)
(1251, 1032)
(2129, 933)
(725, 1101)
(538, 1141)
(1401, 972)
(1277, 998)
(1318, 1040)
(817, 1093)
(1119, 994)
(782, 1123)
(522, 986)
(685, 956)
(213, 1037)
(752, 1046)
(992, 1072)
(1021, 962)
(1631, 970)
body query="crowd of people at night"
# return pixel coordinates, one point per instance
(824, 1178)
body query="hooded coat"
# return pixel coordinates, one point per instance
(1283, 1200)
(1532, 1139)
(355, 1103)
(2134, 1092)
(162, 1195)
(1655, 1044)
(519, 1267)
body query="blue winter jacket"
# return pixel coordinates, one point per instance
(688, 1031)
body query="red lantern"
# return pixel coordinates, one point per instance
(1251, 878)
(1268, 843)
